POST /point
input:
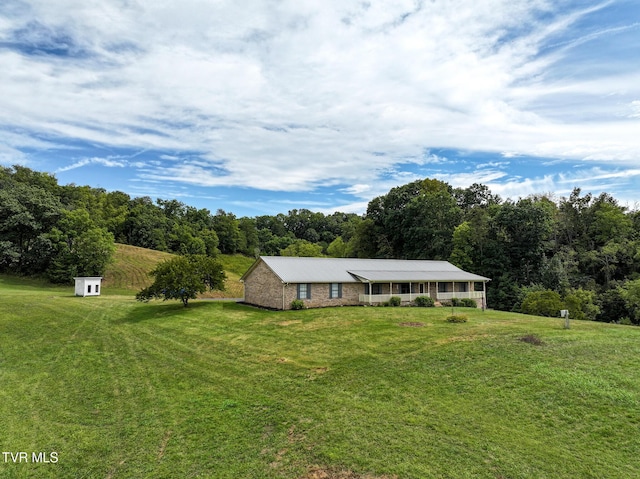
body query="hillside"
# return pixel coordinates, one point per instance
(130, 268)
(122, 389)
(129, 271)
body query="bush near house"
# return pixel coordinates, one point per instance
(394, 301)
(297, 304)
(424, 302)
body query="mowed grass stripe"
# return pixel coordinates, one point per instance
(124, 389)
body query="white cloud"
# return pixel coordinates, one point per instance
(289, 96)
(108, 162)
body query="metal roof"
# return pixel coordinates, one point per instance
(291, 269)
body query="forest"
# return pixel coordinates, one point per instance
(542, 253)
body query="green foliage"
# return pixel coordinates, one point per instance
(581, 304)
(27, 214)
(612, 305)
(630, 292)
(463, 246)
(542, 303)
(297, 304)
(416, 220)
(460, 303)
(394, 301)
(424, 302)
(468, 303)
(81, 248)
(457, 318)
(573, 244)
(302, 248)
(183, 278)
(228, 230)
(338, 248)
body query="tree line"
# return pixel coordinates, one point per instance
(580, 252)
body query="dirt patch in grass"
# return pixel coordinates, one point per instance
(324, 473)
(411, 324)
(532, 339)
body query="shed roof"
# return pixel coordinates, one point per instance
(291, 269)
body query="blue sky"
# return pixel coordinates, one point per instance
(262, 106)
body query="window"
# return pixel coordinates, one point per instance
(97, 288)
(442, 287)
(304, 291)
(335, 290)
(89, 289)
(404, 288)
(375, 288)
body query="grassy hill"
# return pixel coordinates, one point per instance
(129, 272)
(122, 389)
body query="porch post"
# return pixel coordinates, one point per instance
(370, 291)
(409, 291)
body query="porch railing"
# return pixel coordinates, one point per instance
(460, 295)
(381, 298)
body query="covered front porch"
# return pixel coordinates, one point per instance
(378, 292)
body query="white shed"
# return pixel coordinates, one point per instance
(88, 286)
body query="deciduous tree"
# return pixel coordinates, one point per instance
(183, 278)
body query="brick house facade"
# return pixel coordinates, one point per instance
(276, 281)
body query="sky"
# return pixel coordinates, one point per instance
(258, 107)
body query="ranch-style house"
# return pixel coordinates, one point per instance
(275, 281)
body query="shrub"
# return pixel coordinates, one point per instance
(456, 302)
(542, 303)
(395, 301)
(297, 304)
(424, 302)
(581, 304)
(468, 303)
(457, 318)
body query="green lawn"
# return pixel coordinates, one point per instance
(120, 389)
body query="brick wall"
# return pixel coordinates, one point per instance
(263, 288)
(320, 295)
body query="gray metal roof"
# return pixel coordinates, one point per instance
(291, 269)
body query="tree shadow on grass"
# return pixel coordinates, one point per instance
(162, 310)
